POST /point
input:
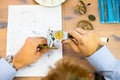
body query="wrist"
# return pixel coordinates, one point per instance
(9, 59)
(17, 63)
(92, 52)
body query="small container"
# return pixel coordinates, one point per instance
(50, 3)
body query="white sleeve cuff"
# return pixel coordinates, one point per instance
(102, 60)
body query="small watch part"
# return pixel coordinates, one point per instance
(91, 17)
(54, 36)
(80, 7)
(58, 35)
(86, 25)
(40, 47)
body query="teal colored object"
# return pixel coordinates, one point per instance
(109, 11)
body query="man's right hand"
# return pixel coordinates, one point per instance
(84, 42)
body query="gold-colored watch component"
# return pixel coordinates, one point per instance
(59, 35)
(86, 25)
(80, 7)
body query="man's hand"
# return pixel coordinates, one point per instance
(83, 42)
(28, 54)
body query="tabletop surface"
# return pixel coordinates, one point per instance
(69, 20)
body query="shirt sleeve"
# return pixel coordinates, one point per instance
(7, 72)
(105, 63)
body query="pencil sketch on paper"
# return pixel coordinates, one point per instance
(29, 21)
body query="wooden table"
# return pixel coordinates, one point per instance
(69, 19)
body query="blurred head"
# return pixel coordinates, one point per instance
(66, 69)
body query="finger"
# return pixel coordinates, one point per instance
(38, 37)
(75, 35)
(97, 39)
(81, 31)
(40, 47)
(66, 41)
(39, 41)
(72, 44)
(72, 39)
(42, 51)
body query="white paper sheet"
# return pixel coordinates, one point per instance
(33, 20)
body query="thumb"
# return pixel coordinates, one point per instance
(73, 44)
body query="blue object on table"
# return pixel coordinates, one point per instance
(109, 11)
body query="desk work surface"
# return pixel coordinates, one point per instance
(69, 21)
(29, 21)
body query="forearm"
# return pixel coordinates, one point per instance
(105, 63)
(7, 72)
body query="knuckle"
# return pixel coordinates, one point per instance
(29, 39)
